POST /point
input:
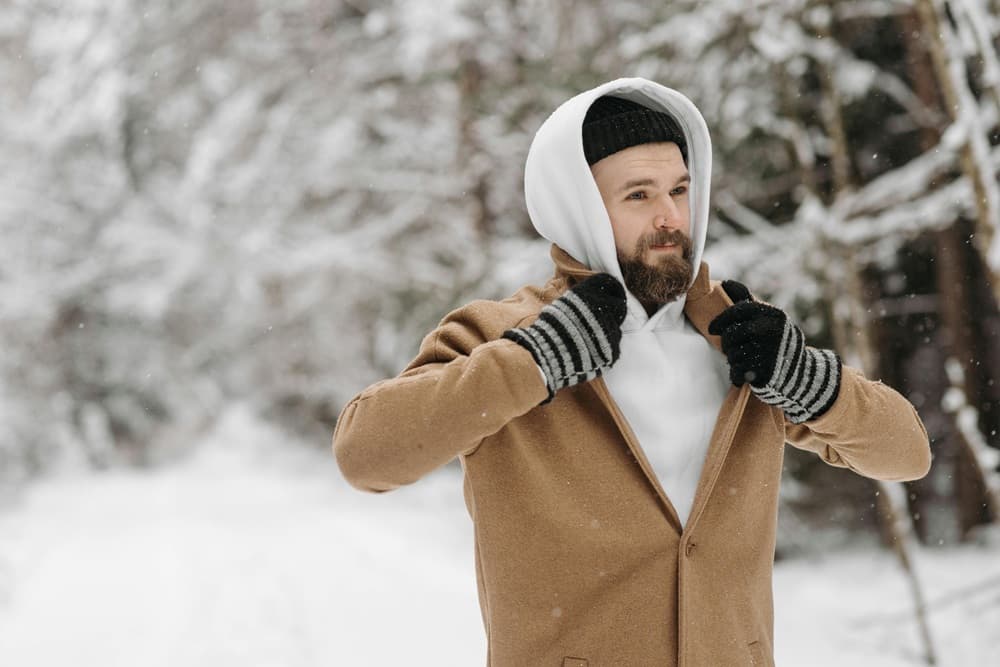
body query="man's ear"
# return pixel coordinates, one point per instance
(736, 291)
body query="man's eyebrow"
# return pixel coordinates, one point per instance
(635, 183)
(639, 182)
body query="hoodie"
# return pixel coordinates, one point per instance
(669, 382)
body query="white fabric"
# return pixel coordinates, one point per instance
(669, 382)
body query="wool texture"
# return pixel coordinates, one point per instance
(806, 380)
(613, 124)
(768, 352)
(578, 335)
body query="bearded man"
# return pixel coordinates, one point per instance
(621, 428)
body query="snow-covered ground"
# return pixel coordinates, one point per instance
(255, 552)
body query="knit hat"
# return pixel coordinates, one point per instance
(613, 124)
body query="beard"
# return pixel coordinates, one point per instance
(663, 281)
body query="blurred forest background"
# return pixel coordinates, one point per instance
(271, 202)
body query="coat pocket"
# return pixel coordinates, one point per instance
(758, 656)
(574, 662)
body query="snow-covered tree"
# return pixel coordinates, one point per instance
(273, 201)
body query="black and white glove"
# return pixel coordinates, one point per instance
(766, 350)
(578, 335)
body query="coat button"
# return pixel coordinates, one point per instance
(689, 549)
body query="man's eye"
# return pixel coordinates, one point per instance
(638, 194)
(679, 191)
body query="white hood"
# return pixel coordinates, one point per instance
(563, 200)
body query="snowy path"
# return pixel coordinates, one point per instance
(246, 555)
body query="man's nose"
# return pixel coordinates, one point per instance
(668, 216)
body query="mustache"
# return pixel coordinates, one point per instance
(664, 237)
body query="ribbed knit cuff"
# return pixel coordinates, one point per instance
(806, 380)
(523, 338)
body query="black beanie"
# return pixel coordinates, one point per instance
(613, 124)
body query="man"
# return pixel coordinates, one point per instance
(622, 448)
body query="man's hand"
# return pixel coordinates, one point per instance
(767, 351)
(578, 335)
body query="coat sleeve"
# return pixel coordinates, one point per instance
(870, 429)
(465, 384)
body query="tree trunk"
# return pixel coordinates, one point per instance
(851, 331)
(960, 467)
(961, 106)
(980, 460)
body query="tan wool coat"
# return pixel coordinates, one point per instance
(580, 558)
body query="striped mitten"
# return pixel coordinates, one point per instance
(770, 353)
(578, 335)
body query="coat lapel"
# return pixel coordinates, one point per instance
(705, 301)
(633, 444)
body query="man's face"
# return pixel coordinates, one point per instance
(645, 190)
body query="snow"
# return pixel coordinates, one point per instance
(254, 551)
(241, 555)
